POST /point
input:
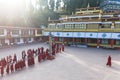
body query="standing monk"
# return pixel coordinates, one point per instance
(39, 57)
(109, 61)
(62, 47)
(15, 58)
(2, 71)
(7, 69)
(23, 55)
(12, 68)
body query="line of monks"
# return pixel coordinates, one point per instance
(11, 64)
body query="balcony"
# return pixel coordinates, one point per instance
(106, 30)
(117, 30)
(91, 30)
(83, 20)
(84, 30)
(53, 29)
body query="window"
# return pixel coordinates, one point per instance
(31, 32)
(77, 26)
(67, 26)
(26, 32)
(1, 31)
(15, 32)
(107, 25)
(117, 25)
(39, 31)
(60, 26)
(80, 26)
(16, 40)
(117, 42)
(51, 26)
(104, 41)
(22, 32)
(29, 39)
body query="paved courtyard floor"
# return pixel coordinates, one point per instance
(73, 64)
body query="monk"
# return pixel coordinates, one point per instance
(12, 68)
(7, 69)
(2, 71)
(109, 61)
(15, 58)
(63, 47)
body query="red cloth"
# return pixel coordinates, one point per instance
(62, 47)
(109, 61)
(39, 57)
(2, 71)
(11, 67)
(15, 58)
(7, 69)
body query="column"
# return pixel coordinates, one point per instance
(112, 43)
(86, 40)
(98, 43)
(73, 40)
(63, 40)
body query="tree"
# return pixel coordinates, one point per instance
(40, 16)
(52, 4)
(57, 4)
(71, 5)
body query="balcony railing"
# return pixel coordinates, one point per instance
(85, 30)
(83, 20)
(106, 30)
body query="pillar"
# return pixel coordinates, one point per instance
(73, 40)
(63, 40)
(113, 25)
(85, 40)
(55, 39)
(112, 43)
(98, 43)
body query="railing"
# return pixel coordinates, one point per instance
(116, 45)
(83, 20)
(53, 29)
(105, 45)
(106, 30)
(117, 30)
(86, 30)
(92, 44)
(92, 30)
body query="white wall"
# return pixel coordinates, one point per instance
(105, 35)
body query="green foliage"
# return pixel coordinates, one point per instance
(52, 4)
(71, 5)
(40, 16)
(58, 4)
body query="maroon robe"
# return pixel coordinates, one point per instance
(109, 61)
(62, 47)
(7, 69)
(2, 71)
(12, 68)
